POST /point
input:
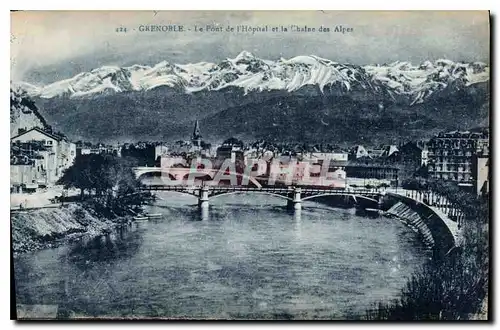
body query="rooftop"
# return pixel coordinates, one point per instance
(464, 135)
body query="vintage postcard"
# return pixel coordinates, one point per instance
(250, 165)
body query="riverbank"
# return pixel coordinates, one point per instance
(454, 287)
(45, 228)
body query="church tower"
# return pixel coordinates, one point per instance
(197, 138)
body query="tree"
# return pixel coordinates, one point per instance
(82, 174)
(116, 188)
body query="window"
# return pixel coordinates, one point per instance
(49, 142)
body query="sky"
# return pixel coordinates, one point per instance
(47, 46)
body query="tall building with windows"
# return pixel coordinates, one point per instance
(481, 173)
(451, 156)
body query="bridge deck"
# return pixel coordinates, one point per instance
(276, 190)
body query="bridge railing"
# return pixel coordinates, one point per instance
(438, 201)
(274, 188)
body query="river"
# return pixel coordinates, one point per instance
(247, 258)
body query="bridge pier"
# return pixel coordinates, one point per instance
(203, 197)
(296, 200)
(380, 201)
(204, 214)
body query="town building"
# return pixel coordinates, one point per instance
(424, 156)
(390, 151)
(29, 163)
(309, 172)
(161, 150)
(48, 155)
(408, 154)
(374, 173)
(480, 172)
(179, 153)
(326, 156)
(198, 147)
(358, 152)
(231, 149)
(374, 153)
(97, 149)
(452, 156)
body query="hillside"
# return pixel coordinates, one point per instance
(24, 114)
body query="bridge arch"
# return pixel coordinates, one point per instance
(250, 192)
(142, 175)
(197, 176)
(182, 192)
(180, 174)
(251, 181)
(337, 194)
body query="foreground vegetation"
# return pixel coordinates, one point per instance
(107, 185)
(455, 287)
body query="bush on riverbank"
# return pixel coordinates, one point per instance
(455, 287)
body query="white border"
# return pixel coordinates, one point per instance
(254, 5)
(191, 5)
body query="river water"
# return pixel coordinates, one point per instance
(247, 258)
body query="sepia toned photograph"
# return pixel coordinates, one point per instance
(250, 165)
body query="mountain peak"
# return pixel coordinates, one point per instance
(399, 81)
(244, 55)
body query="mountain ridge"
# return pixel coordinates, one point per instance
(306, 97)
(401, 82)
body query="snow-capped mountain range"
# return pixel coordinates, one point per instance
(398, 80)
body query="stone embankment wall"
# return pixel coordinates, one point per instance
(412, 219)
(432, 228)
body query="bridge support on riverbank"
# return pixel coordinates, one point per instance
(295, 201)
(203, 197)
